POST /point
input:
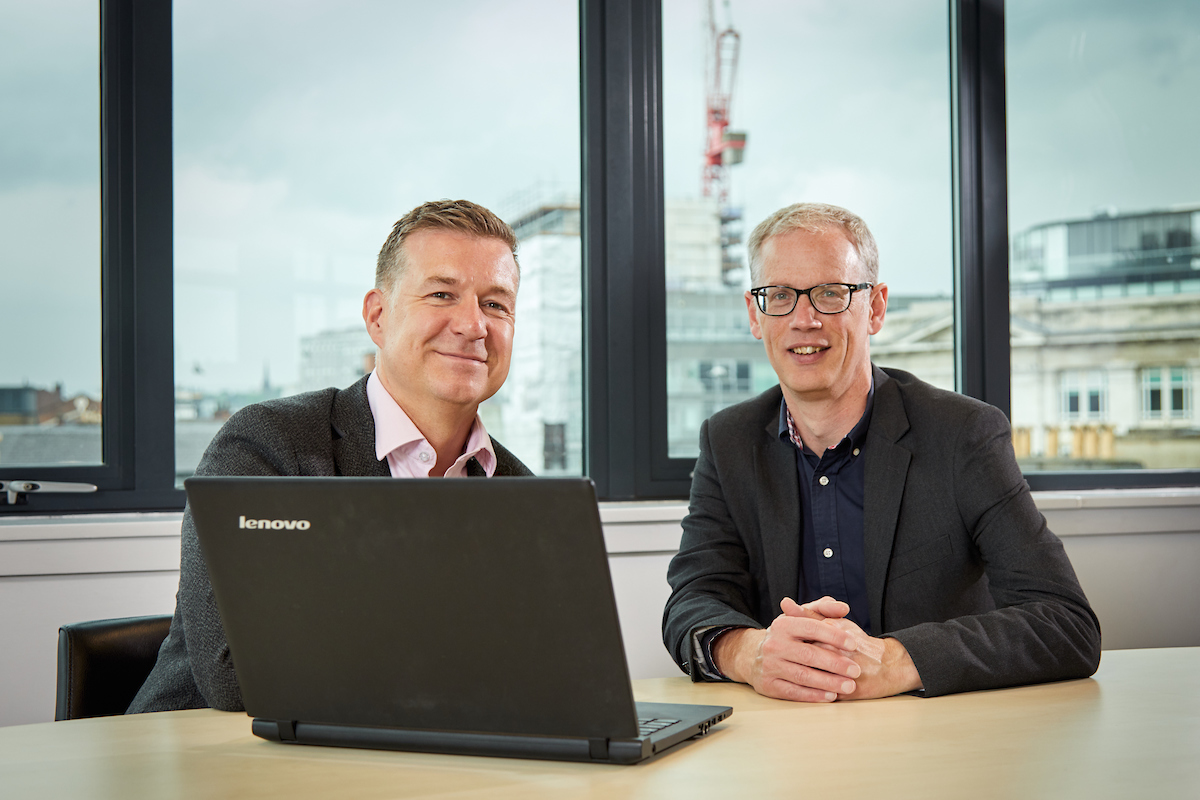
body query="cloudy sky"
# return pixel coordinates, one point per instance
(303, 129)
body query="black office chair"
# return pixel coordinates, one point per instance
(103, 663)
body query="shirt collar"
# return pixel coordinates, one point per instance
(395, 431)
(857, 436)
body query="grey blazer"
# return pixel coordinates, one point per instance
(330, 432)
(960, 566)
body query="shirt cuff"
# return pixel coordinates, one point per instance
(702, 640)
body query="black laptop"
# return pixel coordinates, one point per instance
(452, 616)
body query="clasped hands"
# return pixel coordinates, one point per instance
(812, 653)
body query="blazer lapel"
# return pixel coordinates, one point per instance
(354, 434)
(778, 491)
(886, 471)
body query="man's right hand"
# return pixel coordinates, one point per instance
(791, 659)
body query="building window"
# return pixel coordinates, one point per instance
(1084, 396)
(554, 451)
(1166, 393)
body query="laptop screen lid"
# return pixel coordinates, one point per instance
(470, 605)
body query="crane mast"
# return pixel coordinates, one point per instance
(723, 147)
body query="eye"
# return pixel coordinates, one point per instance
(497, 306)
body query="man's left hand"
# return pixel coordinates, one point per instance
(887, 668)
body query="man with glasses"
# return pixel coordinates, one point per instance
(855, 532)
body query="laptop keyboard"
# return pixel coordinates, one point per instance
(649, 725)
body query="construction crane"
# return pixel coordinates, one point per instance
(723, 147)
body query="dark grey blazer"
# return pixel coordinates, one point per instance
(329, 432)
(960, 566)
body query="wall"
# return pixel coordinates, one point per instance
(1137, 554)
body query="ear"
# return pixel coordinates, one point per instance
(878, 307)
(374, 305)
(752, 310)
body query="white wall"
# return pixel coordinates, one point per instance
(1137, 554)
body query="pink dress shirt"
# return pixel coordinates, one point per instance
(408, 453)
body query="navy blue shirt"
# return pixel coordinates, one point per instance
(832, 558)
(832, 561)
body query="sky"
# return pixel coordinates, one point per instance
(304, 129)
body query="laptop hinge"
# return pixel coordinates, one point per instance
(598, 748)
(287, 730)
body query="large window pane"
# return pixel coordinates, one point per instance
(1105, 220)
(50, 374)
(843, 103)
(303, 131)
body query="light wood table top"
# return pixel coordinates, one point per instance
(1131, 731)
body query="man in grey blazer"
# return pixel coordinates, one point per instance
(442, 315)
(855, 532)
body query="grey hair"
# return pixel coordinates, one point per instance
(815, 217)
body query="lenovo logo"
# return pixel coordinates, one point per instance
(275, 524)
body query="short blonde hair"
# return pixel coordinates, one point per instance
(815, 217)
(462, 216)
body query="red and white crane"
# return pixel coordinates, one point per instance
(723, 147)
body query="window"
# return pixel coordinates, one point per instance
(51, 397)
(133, 251)
(1103, 230)
(1105, 223)
(300, 139)
(752, 123)
(1083, 395)
(1166, 393)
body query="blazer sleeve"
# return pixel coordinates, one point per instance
(256, 441)
(710, 576)
(1041, 627)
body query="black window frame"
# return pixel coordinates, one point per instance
(625, 351)
(136, 277)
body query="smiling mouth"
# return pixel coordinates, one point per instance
(466, 357)
(807, 350)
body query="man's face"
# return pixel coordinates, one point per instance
(817, 356)
(445, 329)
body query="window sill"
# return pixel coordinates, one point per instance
(150, 541)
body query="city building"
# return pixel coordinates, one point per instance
(335, 358)
(1105, 336)
(538, 413)
(40, 426)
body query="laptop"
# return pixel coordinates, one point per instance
(451, 616)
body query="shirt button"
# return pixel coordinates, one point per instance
(827, 552)
(423, 456)
(856, 451)
(824, 481)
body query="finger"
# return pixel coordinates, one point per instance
(822, 608)
(772, 667)
(812, 678)
(785, 690)
(807, 629)
(867, 645)
(790, 657)
(793, 609)
(828, 607)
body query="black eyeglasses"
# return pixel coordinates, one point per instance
(828, 298)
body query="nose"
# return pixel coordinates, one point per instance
(805, 315)
(469, 320)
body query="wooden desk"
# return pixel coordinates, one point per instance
(1132, 731)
